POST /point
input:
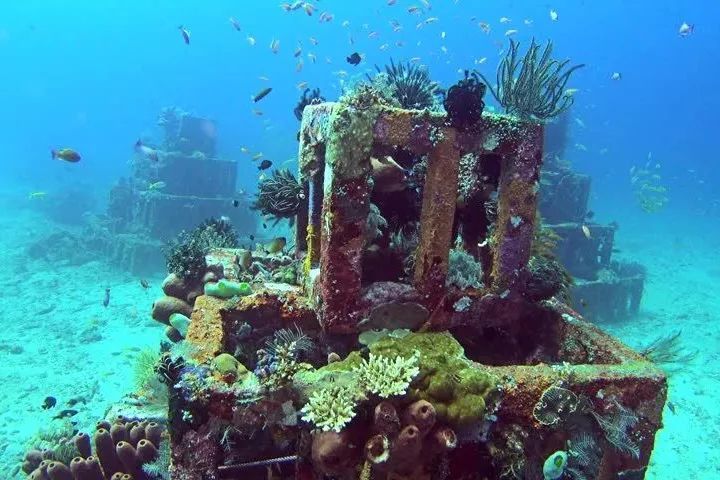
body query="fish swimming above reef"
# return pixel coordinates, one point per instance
(67, 413)
(106, 299)
(49, 403)
(37, 195)
(262, 94)
(157, 186)
(387, 175)
(146, 151)
(354, 59)
(185, 34)
(265, 164)
(686, 29)
(235, 24)
(144, 283)
(67, 154)
(275, 245)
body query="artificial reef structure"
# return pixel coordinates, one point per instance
(416, 329)
(173, 186)
(604, 289)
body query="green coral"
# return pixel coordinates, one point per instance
(458, 389)
(387, 377)
(331, 408)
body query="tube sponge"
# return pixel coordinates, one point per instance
(228, 289)
(180, 322)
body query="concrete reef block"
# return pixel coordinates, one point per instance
(206, 331)
(438, 206)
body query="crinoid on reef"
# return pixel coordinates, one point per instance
(279, 196)
(532, 87)
(464, 101)
(409, 84)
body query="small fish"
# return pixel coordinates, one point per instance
(67, 154)
(146, 151)
(326, 17)
(571, 91)
(311, 56)
(275, 245)
(309, 8)
(505, 20)
(157, 186)
(579, 121)
(144, 283)
(235, 203)
(512, 31)
(553, 15)
(414, 9)
(298, 51)
(671, 407)
(299, 66)
(485, 27)
(391, 2)
(39, 195)
(275, 45)
(67, 413)
(245, 150)
(581, 147)
(251, 40)
(257, 113)
(314, 40)
(261, 94)
(616, 76)
(528, 21)
(49, 403)
(106, 300)
(586, 232)
(185, 34)
(480, 61)
(589, 215)
(257, 156)
(354, 59)
(244, 259)
(686, 29)
(265, 164)
(235, 24)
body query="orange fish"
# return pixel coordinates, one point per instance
(67, 154)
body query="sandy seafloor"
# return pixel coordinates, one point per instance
(81, 348)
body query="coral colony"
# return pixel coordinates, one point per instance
(415, 330)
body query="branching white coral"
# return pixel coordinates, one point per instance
(330, 409)
(387, 377)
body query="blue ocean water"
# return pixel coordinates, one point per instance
(93, 76)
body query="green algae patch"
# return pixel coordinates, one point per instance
(458, 389)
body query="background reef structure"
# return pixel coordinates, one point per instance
(178, 184)
(408, 376)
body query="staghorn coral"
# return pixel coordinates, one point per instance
(532, 88)
(330, 409)
(279, 196)
(387, 377)
(409, 84)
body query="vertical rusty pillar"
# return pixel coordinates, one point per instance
(517, 205)
(301, 222)
(315, 196)
(436, 218)
(345, 210)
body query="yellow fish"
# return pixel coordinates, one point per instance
(276, 245)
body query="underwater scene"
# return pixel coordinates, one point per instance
(377, 240)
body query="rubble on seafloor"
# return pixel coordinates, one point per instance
(317, 362)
